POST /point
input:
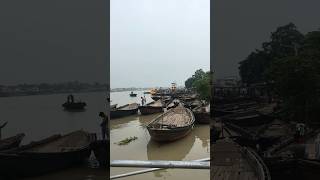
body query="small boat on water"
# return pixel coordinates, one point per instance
(126, 110)
(202, 114)
(171, 125)
(11, 142)
(151, 108)
(53, 153)
(74, 105)
(70, 104)
(132, 94)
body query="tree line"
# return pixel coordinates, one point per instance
(290, 63)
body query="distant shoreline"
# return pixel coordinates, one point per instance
(52, 93)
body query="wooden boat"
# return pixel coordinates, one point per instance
(126, 110)
(156, 98)
(231, 161)
(202, 114)
(101, 151)
(47, 155)
(74, 105)
(193, 104)
(11, 142)
(171, 125)
(247, 118)
(173, 103)
(151, 108)
(133, 94)
(163, 151)
(146, 92)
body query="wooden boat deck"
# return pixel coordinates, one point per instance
(69, 142)
(229, 164)
(177, 117)
(155, 104)
(129, 106)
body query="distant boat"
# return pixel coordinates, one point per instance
(202, 114)
(74, 105)
(126, 110)
(133, 94)
(151, 108)
(146, 92)
(47, 155)
(172, 125)
(11, 142)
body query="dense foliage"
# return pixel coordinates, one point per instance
(200, 82)
(291, 61)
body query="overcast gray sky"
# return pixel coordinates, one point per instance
(53, 41)
(156, 42)
(241, 26)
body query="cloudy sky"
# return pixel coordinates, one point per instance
(156, 42)
(241, 26)
(53, 41)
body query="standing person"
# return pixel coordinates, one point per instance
(145, 100)
(104, 125)
(142, 101)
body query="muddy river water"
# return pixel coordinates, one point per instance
(192, 147)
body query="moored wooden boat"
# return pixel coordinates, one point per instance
(151, 108)
(231, 161)
(11, 142)
(247, 118)
(193, 104)
(126, 110)
(156, 98)
(202, 114)
(171, 125)
(173, 103)
(50, 154)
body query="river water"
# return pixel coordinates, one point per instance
(41, 116)
(194, 146)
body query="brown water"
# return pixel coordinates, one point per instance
(42, 116)
(192, 147)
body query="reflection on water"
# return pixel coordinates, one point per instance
(42, 116)
(193, 146)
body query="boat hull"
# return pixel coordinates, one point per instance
(11, 142)
(156, 98)
(33, 164)
(74, 106)
(122, 113)
(145, 110)
(169, 135)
